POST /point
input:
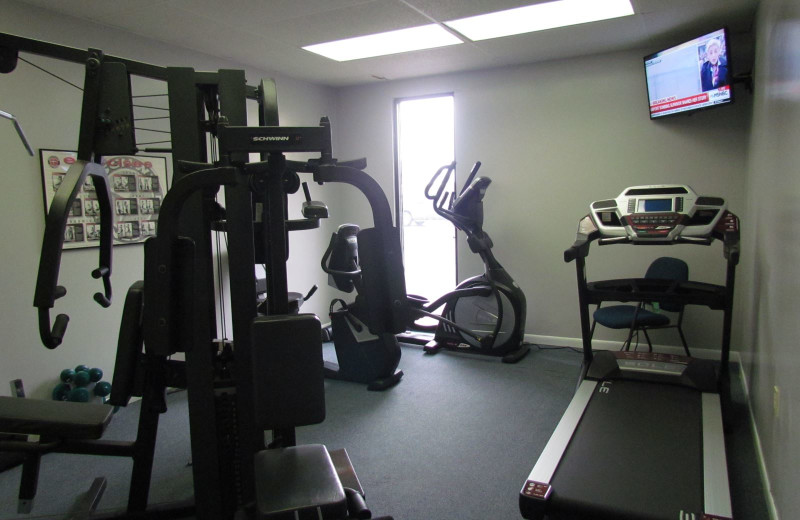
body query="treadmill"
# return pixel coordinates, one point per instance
(643, 437)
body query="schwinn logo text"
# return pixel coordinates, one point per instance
(269, 138)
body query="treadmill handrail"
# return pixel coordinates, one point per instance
(726, 231)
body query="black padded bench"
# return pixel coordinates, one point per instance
(62, 427)
(59, 419)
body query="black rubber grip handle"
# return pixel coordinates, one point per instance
(356, 506)
(102, 188)
(358, 164)
(51, 338)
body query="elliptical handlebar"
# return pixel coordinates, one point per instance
(440, 198)
(463, 209)
(470, 177)
(437, 199)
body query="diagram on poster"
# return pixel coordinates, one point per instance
(138, 185)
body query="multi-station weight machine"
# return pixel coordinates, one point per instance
(270, 377)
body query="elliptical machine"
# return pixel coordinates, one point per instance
(484, 314)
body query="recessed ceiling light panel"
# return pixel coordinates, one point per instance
(381, 44)
(539, 17)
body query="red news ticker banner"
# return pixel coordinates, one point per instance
(697, 99)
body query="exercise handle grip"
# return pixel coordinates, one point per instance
(471, 177)
(356, 506)
(587, 232)
(101, 186)
(310, 292)
(47, 288)
(571, 254)
(325, 266)
(51, 338)
(449, 168)
(358, 164)
(103, 298)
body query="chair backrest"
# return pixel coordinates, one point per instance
(668, 268)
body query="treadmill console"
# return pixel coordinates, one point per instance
(659, 213)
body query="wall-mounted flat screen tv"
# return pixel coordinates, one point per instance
(693, 75)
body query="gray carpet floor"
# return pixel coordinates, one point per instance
(455, 439)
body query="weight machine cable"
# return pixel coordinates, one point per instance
(132, 105)
(220, 279)
(50, 73)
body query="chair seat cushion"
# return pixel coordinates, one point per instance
(621, 317)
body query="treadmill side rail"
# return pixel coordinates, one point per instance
(716, 489)
(534, 494)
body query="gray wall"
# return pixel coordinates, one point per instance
(773, 198)
(49, 111)
(554, 137)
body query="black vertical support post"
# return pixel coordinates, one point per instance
(274, 236)
(274, 242)
(241, 261)
(144, 448)
(730, 278)
(188, 143)
(724, 379)
(583, 303)
(89, 112)
(28, 482)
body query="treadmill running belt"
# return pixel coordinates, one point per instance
(637, 453)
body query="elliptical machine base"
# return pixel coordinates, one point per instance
(435, 346)
(477, 307)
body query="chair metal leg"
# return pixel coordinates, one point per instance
(626, 345)
(683, 340)
(649, 343)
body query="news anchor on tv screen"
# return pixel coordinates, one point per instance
(714, 71)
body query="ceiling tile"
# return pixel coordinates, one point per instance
(446, 10)
(309, 26)
(255, 12)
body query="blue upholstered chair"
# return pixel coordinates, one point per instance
(639, 317)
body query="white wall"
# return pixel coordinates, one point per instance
(49, 111)
(772, 259)
(554, 137)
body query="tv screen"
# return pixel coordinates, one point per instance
(689, 76)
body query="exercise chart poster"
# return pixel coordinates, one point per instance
(137, 183)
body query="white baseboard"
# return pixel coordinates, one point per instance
(598, 344)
